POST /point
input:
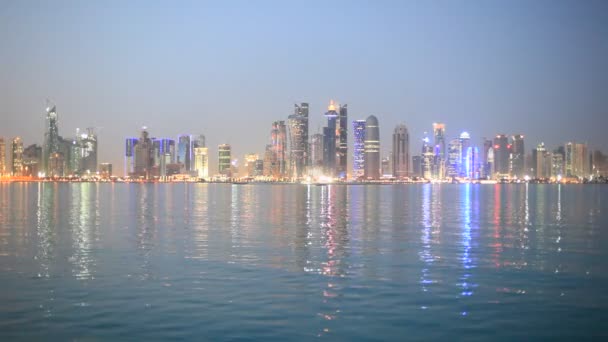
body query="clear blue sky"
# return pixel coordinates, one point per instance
(228, 69)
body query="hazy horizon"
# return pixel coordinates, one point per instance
(227, 70)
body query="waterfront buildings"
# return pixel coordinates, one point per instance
(51, 137)
(358, 149)
(455, 159)
(105, 170)
(316, 154)
(144, 160)
(577, 160)
(428, 156)
(465, 143)
(278, 142)
(401, 152)
(184, 152)
(129, 164)
(372, 148)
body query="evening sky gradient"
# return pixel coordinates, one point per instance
(227, 69)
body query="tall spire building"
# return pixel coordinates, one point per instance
(298, 140)
(401, 152)
(51, 137)
(372, 148)
(342, 142)
(329, 140)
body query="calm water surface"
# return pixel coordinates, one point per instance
(271, 262)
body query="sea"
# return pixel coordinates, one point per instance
(277, 262)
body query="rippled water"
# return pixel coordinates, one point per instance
(271, 262)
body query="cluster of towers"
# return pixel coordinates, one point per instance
(57, 157)
(149, 157)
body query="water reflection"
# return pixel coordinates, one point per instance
(46, 220)
(469, 227)
(84, 225)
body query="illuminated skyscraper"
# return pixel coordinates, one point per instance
(224, 155)
(278, 140)
(472, 165)
(2, 157)
(88, 148)
(428, 157)
(539, 157)
(359, 148)
(455, 161)
(201, 162)
(502, 153)
(184, 152)
(401, 152)
(298, 140)
(329, 140)
(577, 160)
(105, 170)
(129, 166)
(17, 157)
(250, 160)
(465, 143)
(485, 167)
(517, 156)
(372, 148)
(439, 150)
(51, 136)
(342, 143)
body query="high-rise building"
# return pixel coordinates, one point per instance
(372, 148)
(224, 156)
(539, 156)
(454, 159)
(32, 160)
(439, 150)
(557, 164)
(342, 142)
(184, 152)
(298, 140)
(358, 148)
(329, 140)
(401, 152)
(316, 154)
(88, 147)
(417, 166)
(144, 160)
(105, 170)
(278, 140)
(484, 160)
(465, 143)
(51, 136)
(17, 157)
(259, 168)
(250, 160)
(201, 162)
(2, 157)
(129, 166)
(577, 160)
(517, 156)
(386, 169)
(502, 153)
(195, 141)
(472, 165)
(428, 157)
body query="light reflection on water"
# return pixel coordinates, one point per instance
(156, 261)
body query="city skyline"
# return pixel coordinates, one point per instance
(508, 70)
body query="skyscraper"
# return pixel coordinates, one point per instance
(143, 156)
(184, 152)
(2, 157)
(201, 162)
(502, 152)
(359, 148)
(428, 157)
(17, 157)
(342, 143)
(372, 148)
(88, 148)
(278, 140)
(454, 159)
(439, 150)
(465, 143)
(517, 156)
(401, 152)
(329, 140)
(298, 140)
(541, 169)
(250, 160)
(472, 165)
(224, 156)
(129, 166)
(51, 136)
(484, 160)
(316, 154)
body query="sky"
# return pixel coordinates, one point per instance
(228, 69)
